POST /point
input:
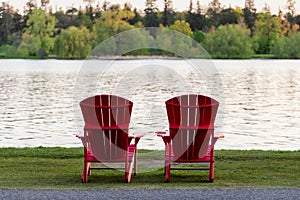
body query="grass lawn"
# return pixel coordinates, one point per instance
(60, 168)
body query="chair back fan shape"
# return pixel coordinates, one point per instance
(191, 136)
(106, 138)
(107, 119)
(191, 124)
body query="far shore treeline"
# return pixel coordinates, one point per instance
(39, 31)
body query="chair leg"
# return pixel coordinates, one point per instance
(211, 172)
(85, 172)
(89, 172)
(128, 169)
(167, 158)
(168, 163)
(126, 178)
(211, 167)
(128, 172)
(135, 162)
(165, 168)
(86, 168)
(168, 172)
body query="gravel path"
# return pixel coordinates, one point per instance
(152, 194)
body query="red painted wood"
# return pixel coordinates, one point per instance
(106, 138)
(191, 131)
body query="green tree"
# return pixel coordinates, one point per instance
(130, 42)
(111, 23)
(10, 50)
(15, 37)
(197, 20)
(287, 47)
(230, 16)
(199, 36)
(63, 20)
(6, 23)
(170, 40)
(182, 27)
(29, 46)
(134, 40)
(89, 9)
(297, 20)
(289, 22)
(151, 18)
(290, 5)
(213, 12)
(42, 28)
(29, 6)
(11, 25)
(267, 31)
(73, 43)
(97, 11)
(73, 14)
(168, 13)
(249, 14)
(136, 19)
(85, 20)
(229, 41)
(293, 46)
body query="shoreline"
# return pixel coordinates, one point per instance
(144, 57)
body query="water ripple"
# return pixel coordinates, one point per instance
(262, 101)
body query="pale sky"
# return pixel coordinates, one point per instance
(178, 5)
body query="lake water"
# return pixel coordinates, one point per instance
(260, 100)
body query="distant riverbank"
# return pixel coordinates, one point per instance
(130, 57)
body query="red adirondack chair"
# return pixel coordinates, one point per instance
(191, 133)
(106, 138)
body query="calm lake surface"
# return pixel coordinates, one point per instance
(260, 100)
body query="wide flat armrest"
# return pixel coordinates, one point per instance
(79, 136)
(215, 138)
(162, 134)
(137, 135)
(219, 136)
(166, 137)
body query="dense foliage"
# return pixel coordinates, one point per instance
(230, 41)
(73, 33)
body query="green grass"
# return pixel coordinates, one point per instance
(60, 168)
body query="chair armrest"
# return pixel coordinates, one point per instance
(215, 138)
(166, 137)
(79, 136)
(219, 136)
(137, 135)
(162, 134)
